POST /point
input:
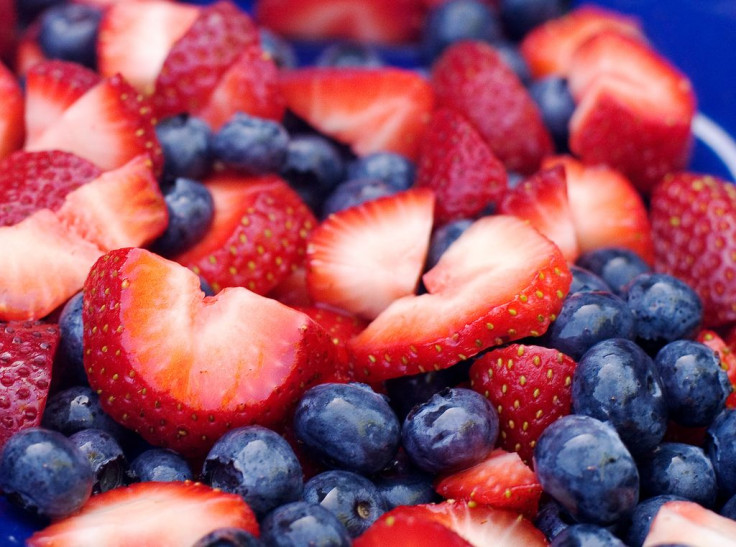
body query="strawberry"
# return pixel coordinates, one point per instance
(27, 350)
(11, 117)
(688, 523)
(726, 355)
(530, 386)
(634, 109)
(542, 200)
(457, 164)
(136, 36)
(51, 88)
(180, 368)
(8, 29)
(694, 225)
(404, 528)
(166, 514)
(606, 208)
(28, 52)
(501, 480)
(475, 300)
(363, 258)
(372, 110)
(258, 233)
(292, 290)
(473, 78)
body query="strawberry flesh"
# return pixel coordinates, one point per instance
(686, 522)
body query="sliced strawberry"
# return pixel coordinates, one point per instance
(408, 530)
(726, 355)
(687, 523)
(27, 350)
(606, 208)
(166, 514)
(530, 386)
(136, 36)
(502, 481)
(51, 88)
(292, 290)
(11, 114)
(475, 300)
(459, 167)
(473, 78)
(258, 233)
(181, 368)
(634, 109)
(380, 109)
(542, 200)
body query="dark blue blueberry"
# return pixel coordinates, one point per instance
(44, 472)
(584, 280)
(256, 463)
(443, 237)
(69, 32)
(720, 445)
(353, 192)
(512, 56)
(159, 465)
(29, 10)
(584, 465)
(454, 429)
(729, 508)
(77, 408)
(185, 141)
(408, 489)
(105, 456)
(17, 525)
(680, 470)
(281, 51)
(520, 16)
(695, 386)
(586, 535)
(191, 210)
(587, 318)
(349, 54)
(229, 537)
(352, 498)
(251, 145)
(552, 518)
(616, 266)
(552, 96)
(300, 524)
(71, 353)
(395, 169)
(615, 381)
(641, 518)
(348, 426)
(665, 308)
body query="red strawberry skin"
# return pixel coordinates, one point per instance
(11, 117)
(726, 355)
(410, 530)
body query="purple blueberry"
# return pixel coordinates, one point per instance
(70, 354)
(390, 167)
(77, 408)
(186, 145)
(280, 50)
(586, 535)
(349, 54)
(615, 265)
(251, 145)
(641, 519)
(105, 456)
(520, 16)
(300, 523)
(584, 280)
(229, 537)
(406, 489)
(552, 518)
(443, 237)
(556, 105)
(69, 32)
(353, 192)
(159, 465)
(720, 445)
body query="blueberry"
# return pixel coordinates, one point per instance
(280, 50)
(29, 10)
(44, 472)
(353, 192)
(584, 280)
(191, 210)
(392, 168)
(77, 408)
(556, 105)
(641, 518)
(443, 237)
(300, 523)
(586, 535)
(454, 429)
(520, 16)
(186, 144)
(409, 489)
(159, 465)
(720, 445)
(229, 537)
(348, 426)
(69, 32)
(616, 266)
(349, 54)
(695, 385)
(71, 352)
(615, 381)
(105, 456)
(583, 464)
(251, 145)
(511, 55)
(552, 518)
(256, 463)
(729, 508)
(587, 318)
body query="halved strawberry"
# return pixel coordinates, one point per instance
(380, 109)
(166, 514)
(459, 167)
(501, 480)
(11, 114)
(409, 530)
(542, 200)
(725, 354)
(180, 368)
(258, 233)
(475, 300)
(363, 258)
(473, 78)
(687, 523)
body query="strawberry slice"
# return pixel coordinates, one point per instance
(530, 386)
(292, 290)
(726, 355)
(457, 164)
(402, 528)
(363, 258)
(687, 523)
(542, 200)
(473, 78)
(27, 350)
(372, 110)
(502, 481)
(11, 116)
(166, 514)
(180, 368)
(634, 109)
(475, 300)
(136, 36)
(258, 233)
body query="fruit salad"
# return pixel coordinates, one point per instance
(407, 272)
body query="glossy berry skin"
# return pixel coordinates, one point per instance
(69, 32)
(720, 445)
(71, 352)
(159, 465)
(353, 192)
(251, 145)
(616, 381)
(186, 145)
(641, 519)
(301, 523)
(77, 408)
(281, 51)
(443, 237)
(616, 266)
(349, 54)
(256, 463)
(44, 472)
(352, 498)
(520, 16)
(454, 429)
(729, 508)
(552, 518)
(579, 535)
(105, 456)
(229, 537)
(556, 104)
(587, 318)
(395, 169)
(695, 385)
(582, 463)
(584, 280)
(348, 426)
(410, 489)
